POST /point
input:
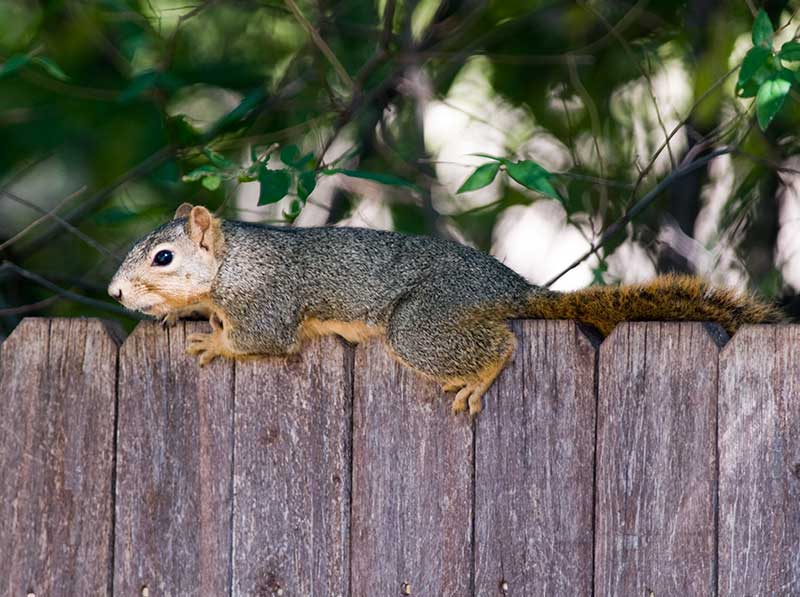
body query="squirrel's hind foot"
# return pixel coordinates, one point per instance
(470, 396)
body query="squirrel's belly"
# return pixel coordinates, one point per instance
(352, 331)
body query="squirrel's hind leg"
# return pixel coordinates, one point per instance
(472, 393)
(464, 355)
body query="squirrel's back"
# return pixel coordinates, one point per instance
(357, 273)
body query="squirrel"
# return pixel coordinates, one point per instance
(441, 307)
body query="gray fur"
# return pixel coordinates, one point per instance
(271, 278)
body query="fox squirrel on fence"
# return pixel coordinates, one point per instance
(441, 307)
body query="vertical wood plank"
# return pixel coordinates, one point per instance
(759, 468)
(534, 467)
(57, 406)
(656, 460)
(292, 473)
(412, 484)
(174, 467)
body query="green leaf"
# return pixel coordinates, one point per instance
(762, 30)
(306, 183)
(483, 176)
(182, 130)
(387, 179)
(289, 154)
(240, 112)
(574, 201)
(598, 278)
(307, 162)
(274, 185)
(295, 207)
(13, 64)
(245, 175)
(199, 173)
(770, 98)
(212, 182)
(408, 218)
(531, 176)
(50, 67)
(491, 157)
(754, 60)
(790, 51)
(749, 89)
(219, 160)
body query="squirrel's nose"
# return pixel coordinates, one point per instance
(115, 290)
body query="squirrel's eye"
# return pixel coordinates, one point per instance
(163, 258)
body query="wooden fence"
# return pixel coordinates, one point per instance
(660, 462)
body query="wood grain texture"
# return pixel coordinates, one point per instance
(412, 484)
(292, 473)
(57, 403)
(759, 462)
(174, 467)
(656, 460)
(534, 467)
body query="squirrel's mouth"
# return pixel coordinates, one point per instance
(147, 309)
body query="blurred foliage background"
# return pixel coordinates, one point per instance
(371, 113)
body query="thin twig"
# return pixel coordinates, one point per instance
(382, 51)
(67, 294)
(63, 223)
(320, 43)
(88, 206)
(627, 49)
(46, 216)
(594, 119)
(29, 308)
(173, 39)
(646, 170)
(638, 208)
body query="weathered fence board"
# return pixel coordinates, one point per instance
(655, 464)
(759, 462)
(534, 467)
(174, 467)
(656, 460)
(412, 484)
(291, 519)
(58, 380)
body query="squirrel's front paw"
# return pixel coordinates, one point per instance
(205, 345)
(169, 320)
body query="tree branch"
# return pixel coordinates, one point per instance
(321, 44)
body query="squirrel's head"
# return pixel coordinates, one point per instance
(174, 266)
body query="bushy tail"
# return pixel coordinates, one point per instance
(666, 298)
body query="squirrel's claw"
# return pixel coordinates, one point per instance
(204, 345)
(469, 396)
(453, 386)
(169, 320)
(460, 401)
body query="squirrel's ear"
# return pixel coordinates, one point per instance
(201, 227)
(183, 211)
